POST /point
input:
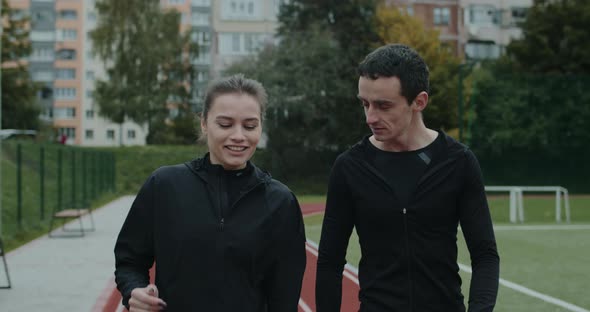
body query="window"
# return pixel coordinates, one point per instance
(482, 50)
(64, 112)
(68, 14)
(43, 16)
(410, 10)
(43, 75)
(243, 9)
(175, 2)
(205, 3)
(484, 15)
(66, 73)
(67, 34)
(46, 93)
(89, 114)
(65, 93)
(91, 16)
(442, 16)
(43, 54)
(235, 43)
(37, 35)
(69, 132)
(200, 18)
(110, 134)
(131, 134)
(18, 14)
(89, 94)
(66, 54)
(90, 75)
(518, 15)
(89, 134)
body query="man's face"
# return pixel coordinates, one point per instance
(387, 112)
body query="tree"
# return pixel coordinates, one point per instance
(351, 23)
(312, 106)
(147, 59)
(395, 26)
(19, 106)
(555, 38)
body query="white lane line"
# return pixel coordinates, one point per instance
(121, 307)
(556, 227)
(312, 247)
(532, 293)
(349, 270)
(304, 306)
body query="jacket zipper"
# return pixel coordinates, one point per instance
(410, 281)
(219, 204)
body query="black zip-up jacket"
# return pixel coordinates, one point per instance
(249, 257)
(409, 253)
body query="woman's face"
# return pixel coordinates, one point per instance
(233, 128)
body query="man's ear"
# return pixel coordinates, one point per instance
(421, 101)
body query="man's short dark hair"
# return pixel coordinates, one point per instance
(401, 61)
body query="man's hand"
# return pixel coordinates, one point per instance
(146, 300)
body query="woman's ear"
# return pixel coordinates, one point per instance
(203, 125)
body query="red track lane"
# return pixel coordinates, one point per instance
(350, 288)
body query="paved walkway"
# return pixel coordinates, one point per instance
(76, 274)
(65, 274)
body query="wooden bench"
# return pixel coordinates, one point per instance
(72, 213)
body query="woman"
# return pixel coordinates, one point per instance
(224, 235)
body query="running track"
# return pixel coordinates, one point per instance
(110, 299)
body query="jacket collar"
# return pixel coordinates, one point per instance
(451, 149)
(199, 166)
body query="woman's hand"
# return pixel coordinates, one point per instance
(146, 300)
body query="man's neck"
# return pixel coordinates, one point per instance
(413, 139)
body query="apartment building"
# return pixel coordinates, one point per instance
(443, 15)
(62, 63)
(491, 25)
(241, 28)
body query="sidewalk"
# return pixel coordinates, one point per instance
(65, 274)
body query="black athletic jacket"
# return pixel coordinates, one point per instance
(209, 256)
(409, 254)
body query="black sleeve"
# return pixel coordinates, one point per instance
(336, 229)
(134, 254)
(283, 283)
(476, 224)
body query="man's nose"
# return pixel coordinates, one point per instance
(371, 116)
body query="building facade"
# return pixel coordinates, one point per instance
(491, 25)
(443, 15)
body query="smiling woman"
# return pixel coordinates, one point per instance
(225, 235)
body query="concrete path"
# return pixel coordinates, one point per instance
(65, 274)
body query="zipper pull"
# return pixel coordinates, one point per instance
(221, 224)
(404, 211)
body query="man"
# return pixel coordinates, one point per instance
(405, 189)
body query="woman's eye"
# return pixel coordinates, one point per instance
(250, 127)
(225, 125)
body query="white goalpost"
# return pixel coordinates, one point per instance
(516, 205)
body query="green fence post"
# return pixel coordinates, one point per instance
(73, 197)
(59, 182)
(19, 188)
(114, 172)
(42, 182)
(84, 199)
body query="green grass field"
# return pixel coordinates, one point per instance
(554, 262)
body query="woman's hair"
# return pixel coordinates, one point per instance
(235, 84)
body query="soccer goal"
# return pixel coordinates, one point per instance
(516, 204)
